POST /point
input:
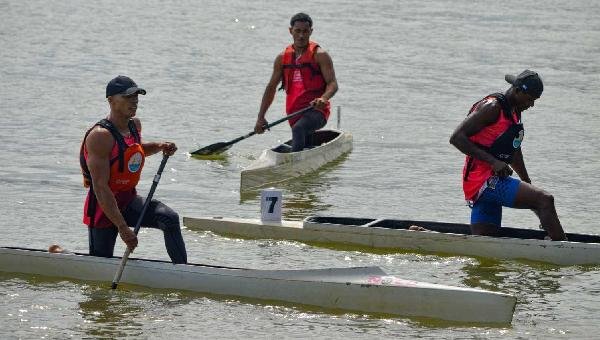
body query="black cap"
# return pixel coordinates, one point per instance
(123, 85)
(528, 82)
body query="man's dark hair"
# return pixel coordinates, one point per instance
(302, 17)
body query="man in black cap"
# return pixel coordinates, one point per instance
(112, 157)
(491, 137)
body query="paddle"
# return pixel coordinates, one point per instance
(139, 222)
(220, 147)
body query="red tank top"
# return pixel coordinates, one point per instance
(121, 183)
(302, 80)
(480, 171)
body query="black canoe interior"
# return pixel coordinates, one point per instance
(131, 258)
(318, 138)
(442, 227)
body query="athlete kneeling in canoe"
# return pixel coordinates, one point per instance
(491, 137)
(307, 75)
(112, 157)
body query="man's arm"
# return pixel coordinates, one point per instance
(487, 113)
(331, 86)
(99, 144)
(518, 164)
(269, 94)
(150, 148)
(168, 148)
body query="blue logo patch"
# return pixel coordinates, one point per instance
(519, 139)
(135, 162)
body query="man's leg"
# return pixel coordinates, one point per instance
(310, 122)
(542, 203)
(102, 241)
(486, 216)
(160, 216)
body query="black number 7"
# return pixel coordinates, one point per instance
(273, 201)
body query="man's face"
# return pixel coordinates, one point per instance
(301, 32)
(524, 101)
(126, 105)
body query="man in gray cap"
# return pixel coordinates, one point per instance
(112, 157)
(491, 137)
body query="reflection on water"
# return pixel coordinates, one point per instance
(302, 196)
(221, 157)
(110, 313)
(220, 161)
(537, 286)
(103, 313)
(533, 278)
(543, 291)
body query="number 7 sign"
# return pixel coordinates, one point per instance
(270, 205)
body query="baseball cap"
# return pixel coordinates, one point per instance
(528, 82)
(123, 85)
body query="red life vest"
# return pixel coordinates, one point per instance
(126, 163)
(501, 139)
(312, 86)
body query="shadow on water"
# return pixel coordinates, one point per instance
(302, 195)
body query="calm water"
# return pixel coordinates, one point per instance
(408, 72)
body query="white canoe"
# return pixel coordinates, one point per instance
(359, 289)
(448, 238)
(279, 164)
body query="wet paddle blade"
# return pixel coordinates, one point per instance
(213, 149)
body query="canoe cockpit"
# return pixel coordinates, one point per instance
(318, 138)
(442, 227)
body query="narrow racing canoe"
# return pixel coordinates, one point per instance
(358, 289)
(390, 234)
(280, 164)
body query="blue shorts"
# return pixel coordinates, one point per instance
(499, 192)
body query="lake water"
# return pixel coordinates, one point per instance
(408, 73)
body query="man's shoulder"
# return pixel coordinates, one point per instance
(321, 54)
(99, 130)
(99, 138)
(279, 60)
(489, 107)
(491, 103)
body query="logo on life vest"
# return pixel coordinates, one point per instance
(519, 139)
(135, 162)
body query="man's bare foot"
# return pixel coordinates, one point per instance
(55, 248)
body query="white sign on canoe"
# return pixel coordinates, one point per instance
(270, 205)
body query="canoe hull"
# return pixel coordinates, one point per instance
(386, 234)
(273, 167)
(360, 289)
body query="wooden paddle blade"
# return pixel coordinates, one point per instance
(212, 149)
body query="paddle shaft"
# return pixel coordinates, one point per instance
(119, 272)
(226, 145)
(268, 126)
